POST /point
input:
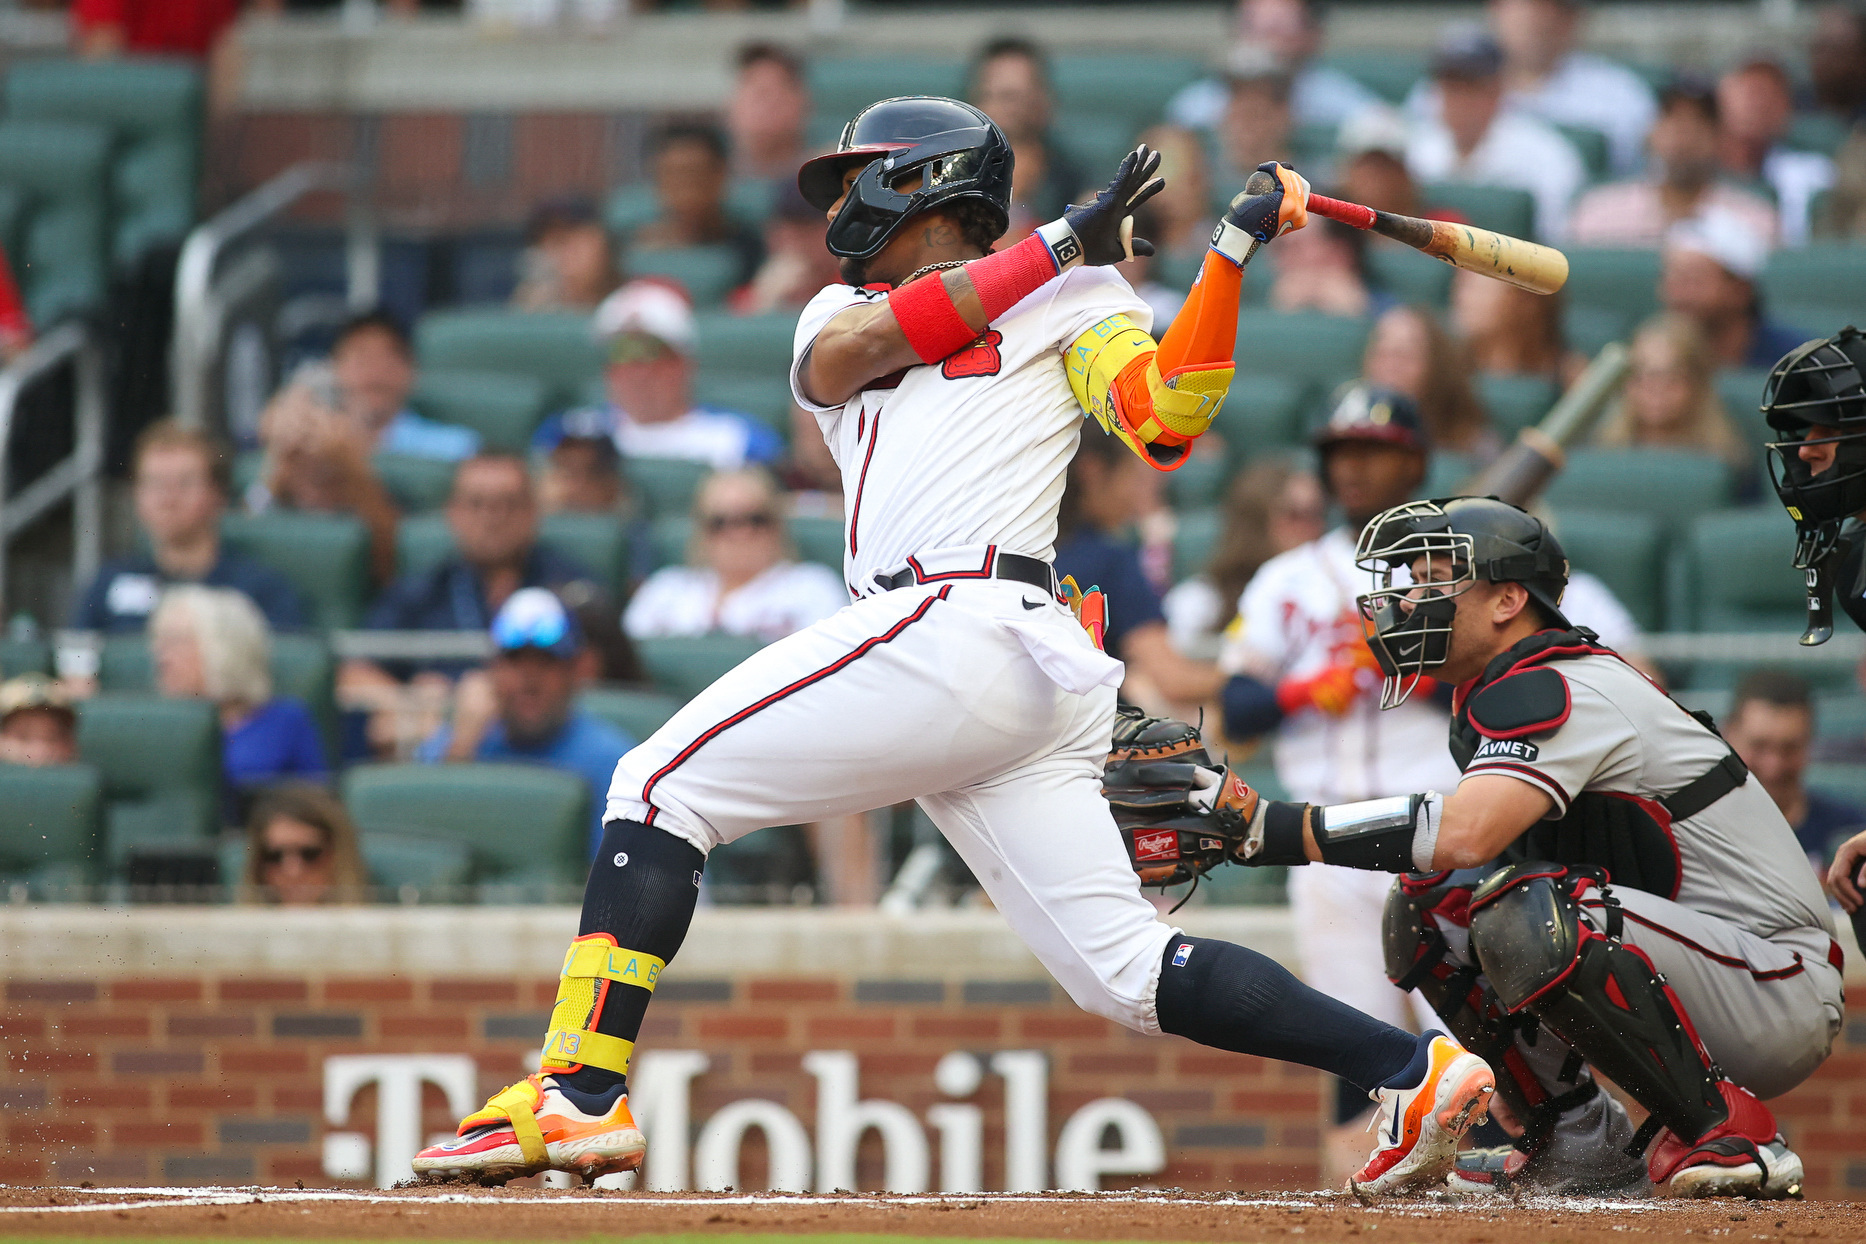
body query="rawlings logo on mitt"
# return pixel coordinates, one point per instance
(1180, 815)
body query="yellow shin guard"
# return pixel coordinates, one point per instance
(592, 965)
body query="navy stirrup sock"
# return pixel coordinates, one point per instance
(642, 889)
(1232, 998)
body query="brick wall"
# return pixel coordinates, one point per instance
(218, 1079)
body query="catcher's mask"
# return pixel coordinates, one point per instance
(1819, 385)
(920, 152)
(1424, 555)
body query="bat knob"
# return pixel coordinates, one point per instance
(1260, 182)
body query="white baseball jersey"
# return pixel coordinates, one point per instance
(971, 451)
(1298, 618)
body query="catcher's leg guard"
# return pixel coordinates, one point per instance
(1604, 998)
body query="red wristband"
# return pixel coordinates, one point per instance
(1008, 277)
(929, 321)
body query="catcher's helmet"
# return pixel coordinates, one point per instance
(921, 151)
(1819, 384)
(1473, 538)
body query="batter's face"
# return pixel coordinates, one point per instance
(905, 251)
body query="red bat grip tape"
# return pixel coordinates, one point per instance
(1347, 213)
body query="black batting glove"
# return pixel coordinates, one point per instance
(1101, 231)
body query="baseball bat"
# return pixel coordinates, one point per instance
(1521, 471)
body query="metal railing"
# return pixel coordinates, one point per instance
(208, 298)
(79, 474)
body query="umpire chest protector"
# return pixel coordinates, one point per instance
(1522, 695)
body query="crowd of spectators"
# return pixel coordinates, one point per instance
(1703, 170)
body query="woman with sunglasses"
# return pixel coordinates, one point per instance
(301, 849)
(742, 577)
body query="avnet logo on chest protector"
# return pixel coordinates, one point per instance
(1505, 749)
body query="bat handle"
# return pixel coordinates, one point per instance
(1337, 209)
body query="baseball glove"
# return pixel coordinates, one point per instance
(1180, 815)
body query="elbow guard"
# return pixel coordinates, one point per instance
(1116, 378)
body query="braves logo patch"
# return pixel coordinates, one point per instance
(981, 358)
(1163, 845)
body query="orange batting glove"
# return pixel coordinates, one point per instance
(1332, 691)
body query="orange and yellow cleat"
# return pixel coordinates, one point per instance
(538, 1125)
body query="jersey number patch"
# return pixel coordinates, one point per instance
(981, 358)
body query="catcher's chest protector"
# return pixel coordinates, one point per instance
(1521, 695)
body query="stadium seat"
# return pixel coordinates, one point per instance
(523, 825)
(636, 712)
(1741, 394)
(1388, 72)
(1623, 281)
(1262, 414)
(125, 664)
(707, 273)
(553, 347)
(62, 263)
(1096, 143)
(1498, 208)
(326, 557)
(153, 108)
(1588, 328)
(1595, 150)
(1671, 486)
(15, 208)
(160, 761)
(1846, 781)
(668, 538)
(1201, 481)
(597, 542)
(503, 408)
(1409, 275)
(417, 485)
(1625, 551)
(1194, 538)
(397, 861)
(1738, 573)
(757, 345)
(818, 539)
(1133, 84)
(1823, 272)
(24, 655)
(685, 665)
(422, 542)
(50, 824)
(1515, 402)
(665, 486)
(842, 86)
(1820, 132)
(1447, 473)
(764, 398)
(1306, 345)
(1816, 319)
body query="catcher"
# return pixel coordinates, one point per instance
(1605, 888)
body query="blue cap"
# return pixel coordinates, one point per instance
(533, 617)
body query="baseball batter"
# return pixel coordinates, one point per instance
(950, 382)
(1702, 979)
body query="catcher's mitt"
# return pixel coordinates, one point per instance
(1180, 815)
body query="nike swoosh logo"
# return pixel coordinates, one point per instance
(1031, 604)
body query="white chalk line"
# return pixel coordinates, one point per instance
(181, 1198)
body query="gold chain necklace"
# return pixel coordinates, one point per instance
(917, 273)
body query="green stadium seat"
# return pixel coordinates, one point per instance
(1515, 402)
(51, 821)
(416, 484)
(1133, 84)
(153, 108)
(555, 348)
(818, 539)
(1846, 781)
(523, 825)
(1194, 538)
(1499, 208)
(24, 655)
(1670, 486)
(1624, 281)
(1387, 72)
(326, 556)
(1625, 551)
(668, 538)
(1447, 473)
(685, 665)
(62, 263)
(842, 86)
(503, 408)
(1262, 415)
(422, 542)
(665, 486)
(1409, 275)
(597, 542)
(1816, 131)
(764, 398)
(1737, 573)
(1200, 482)
(160, 761)
(758, 345)
(1741, 394)
(1313, 143)
(634, 711)
(1588, 328)
(1594, 148)
(1823, 272)
(748, 200)
(15, 208)
(1321, 349)
(707, 273)
(1095, 143)
(398, 861)
(1817, 319)
(124, 663)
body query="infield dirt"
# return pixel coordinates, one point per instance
(564, 1215)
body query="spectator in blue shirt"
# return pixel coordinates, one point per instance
(1771, 726)
(1110, 489)
(522, 707)
(211, 643)
(180, 489)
